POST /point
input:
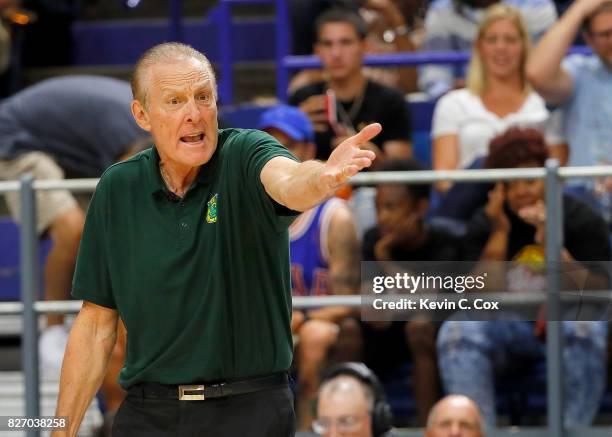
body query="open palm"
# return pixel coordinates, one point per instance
(348, 158)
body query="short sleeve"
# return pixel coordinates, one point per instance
(303, 93)
(575, 65)
(259, 148)
(91, 277)
(553, 130)
(296, 98)
(445, 116)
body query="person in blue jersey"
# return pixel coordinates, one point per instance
(324, 259)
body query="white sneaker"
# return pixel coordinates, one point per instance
(51, 347)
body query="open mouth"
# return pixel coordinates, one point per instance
(502, 61)
(193, 139)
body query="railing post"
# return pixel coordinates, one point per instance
(226, 81)
(283, 36)
(176, 21)
(29, 292)
(554, 331)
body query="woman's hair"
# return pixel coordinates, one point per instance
(515, 147)
(476, 76)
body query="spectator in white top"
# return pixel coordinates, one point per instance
(497, 94)
(453, 25)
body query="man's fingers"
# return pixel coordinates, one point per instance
(365, 154)
(361, 163)
(367, 133)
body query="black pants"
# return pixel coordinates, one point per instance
(265, 413)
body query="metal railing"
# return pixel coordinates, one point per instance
(552, 174)
(226, 82)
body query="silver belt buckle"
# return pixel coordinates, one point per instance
(184, 394)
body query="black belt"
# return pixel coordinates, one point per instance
(200, 392)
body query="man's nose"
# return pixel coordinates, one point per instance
(455, 430)
(336, 50)
(333, 432)
(193, 112)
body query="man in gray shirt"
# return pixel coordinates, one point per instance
(71, 126)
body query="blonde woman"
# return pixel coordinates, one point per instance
(497, 95)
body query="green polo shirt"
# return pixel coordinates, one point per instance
(202, 283)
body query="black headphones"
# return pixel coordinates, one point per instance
(382, 417)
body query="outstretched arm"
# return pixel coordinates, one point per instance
(300, 186)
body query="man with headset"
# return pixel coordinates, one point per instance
(352, 402)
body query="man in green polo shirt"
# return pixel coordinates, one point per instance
(187, 243)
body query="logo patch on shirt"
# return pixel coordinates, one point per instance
(211, 211)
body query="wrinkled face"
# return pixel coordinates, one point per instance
(501, 49)
(344, 414)
(393, 203)
(340, 50)
(522, 192)
(599, 36)
(180, 112)
(454, 419)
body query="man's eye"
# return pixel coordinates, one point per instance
(173, 101)
(204, 97)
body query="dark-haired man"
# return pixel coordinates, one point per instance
(341, 46)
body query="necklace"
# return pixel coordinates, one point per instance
(348, 117)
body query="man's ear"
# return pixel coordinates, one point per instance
(140, 115)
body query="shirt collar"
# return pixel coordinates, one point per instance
(205, 175)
